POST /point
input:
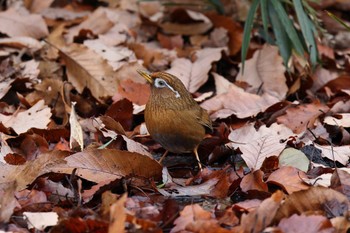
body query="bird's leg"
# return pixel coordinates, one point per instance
(197, 157)
(163, 156)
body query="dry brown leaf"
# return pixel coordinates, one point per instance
(256, 145)
(188, 215)
(60, 13)
(118, 216)
(254, 181)
(99, 165)
(342, 120)
(315, 199)
(202, 25)
(8, 200)
(335, 153)
(27, 173)
(154, 57)
(290, 178)
(195, 74)
(38, 116)
(137, 93)
(15, 24)
(76, 131)
(234, 29)
(340, 181)
(21, 42)
(86, 69)
(236, 101)
(310, 224)
(302, 117)
(258, 219)
(98, 23)
(115, 56)
(265, 72)
(321, 77)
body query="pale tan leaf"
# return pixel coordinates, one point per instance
(238, 102)
(14, 24)
(290, 178)
(265, 72)
(97, 22)
(38, 116)
(27, 173)
(41, 220)
(195, 74)
(115, 56)
(20, 42)
(188, 215)
(327, 200)
(76, 131)
(256, 220)
(341, 120)
(335, 153)
(302, 117)
(222, 85)
(61, 13)
(256, 145)
(108, 164)
(118, 215)
(295, 158)
(86, 69)
(202, 25)
(8, 201)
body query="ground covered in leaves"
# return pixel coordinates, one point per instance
(75, 153)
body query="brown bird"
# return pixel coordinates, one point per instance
(173, 118)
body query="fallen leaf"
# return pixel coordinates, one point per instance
(115, 56)
(199, 25)
(99, 165)
(86, 69)
(27, 173)
(190, 214)
(258, 219)
(8, 201)
(40, 220)
(314, 199)
(310, 223)
(256, 145)
(254, 181)
(340, 120)
(76, 132)
(302, 117)
(294, 158)
(195, 74)
(97, 22)
(15, 24)
(118, 216)
(335, 153)
(290, 178)
(265, 73)
(38, 116)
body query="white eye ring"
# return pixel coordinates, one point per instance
(160, 83)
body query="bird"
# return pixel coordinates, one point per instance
(173, 118)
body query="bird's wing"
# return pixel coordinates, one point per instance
(204, 119)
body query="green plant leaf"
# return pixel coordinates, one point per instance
(288, 26)
(339, 20)
(282, 40)
(247, 30)
(217, 5)
(265, 20)
(307, 29)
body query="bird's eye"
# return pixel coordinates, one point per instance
(159, 83)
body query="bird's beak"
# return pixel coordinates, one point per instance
(146, 75)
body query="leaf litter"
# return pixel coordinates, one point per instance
(276, 161)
